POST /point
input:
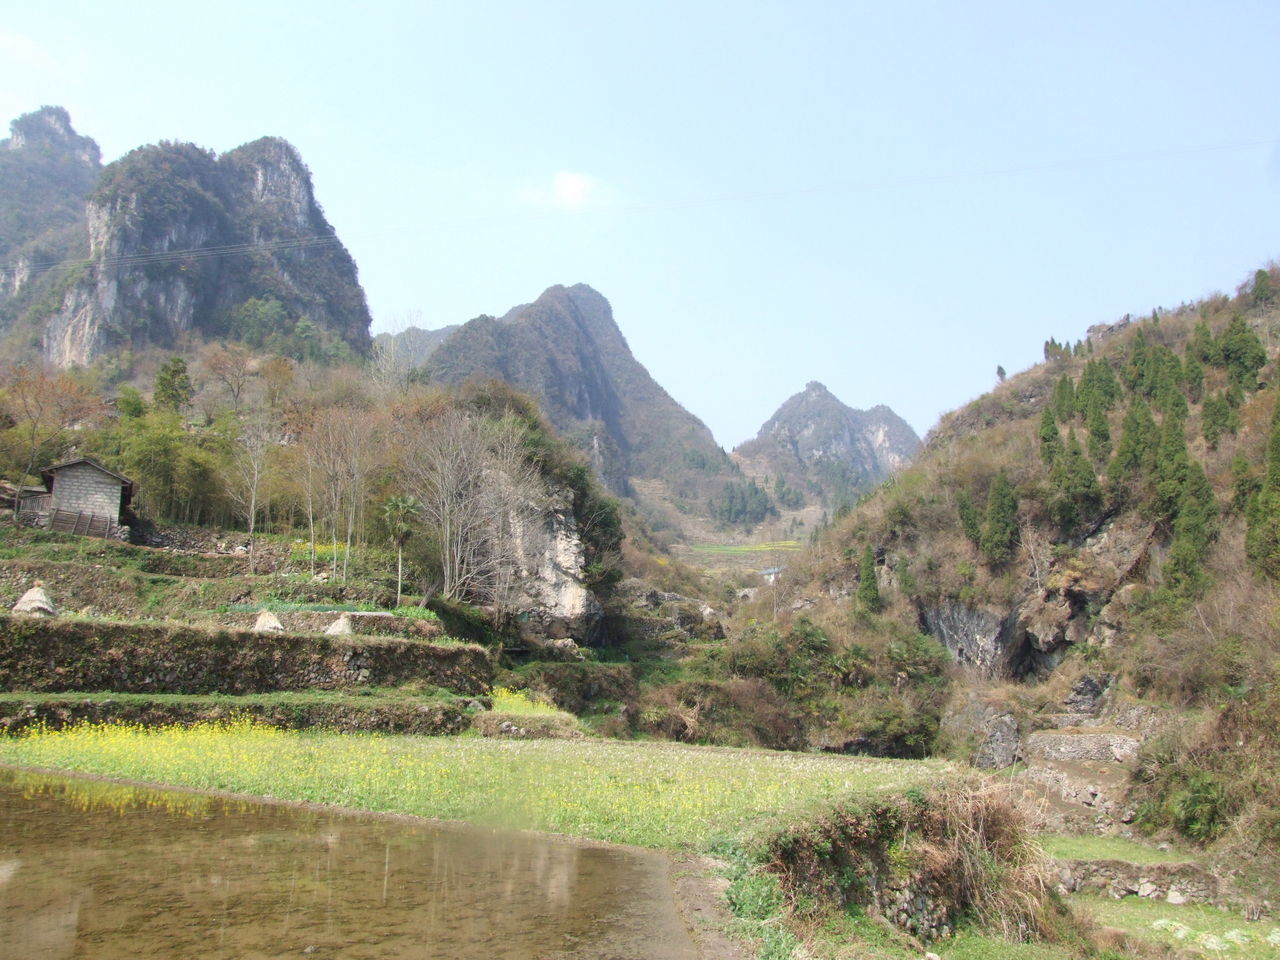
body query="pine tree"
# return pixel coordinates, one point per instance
(1215, 419)
(1136, 453)
(1050, 439)
(1202, 346)
(1099, 433)
(1172, 464)
(1000, 531)
(173, 385)
(970, 519)
(868, 589)
(1245, 483)
(1077, 495)
(1064, 399)
(1169, 398)
(1242, 353)
(1193, 532)
(1136, 365)
(1193, 376)
(1098, 384)
(1262, 540)
(1263, 289)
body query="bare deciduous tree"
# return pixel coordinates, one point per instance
(249, 464)
(485, 500)
(44, 409)
(230, 365)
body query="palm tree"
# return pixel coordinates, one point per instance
(398, 513)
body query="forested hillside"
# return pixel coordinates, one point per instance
(166, 248)
(1114, 511)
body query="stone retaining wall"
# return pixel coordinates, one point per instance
(317, 621)
(1175, 882)
(59, 655)
(431, 718)
(1085, 745)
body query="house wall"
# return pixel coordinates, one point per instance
(82, 488)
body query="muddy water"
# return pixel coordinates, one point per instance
(104, 871)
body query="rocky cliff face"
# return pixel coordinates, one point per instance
(566, 351)
(1073, 599)
(47, 172)
(179, 239)
(816, 442)
(556, 601)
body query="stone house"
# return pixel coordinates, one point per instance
(82, 496)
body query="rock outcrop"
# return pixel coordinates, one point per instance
(181, 240)
(555, 600)
(47, 172)
(1075, 600)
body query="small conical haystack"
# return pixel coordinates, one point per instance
(268, 622)
(36, 603)
(340, 626)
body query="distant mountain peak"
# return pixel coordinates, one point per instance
(814, 440)
(566, 350)
(51, 127)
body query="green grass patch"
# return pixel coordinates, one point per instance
(1066, 847)
(1202, 930)
(741, 549)
(518, 703)
(652, 794)
(286, 606)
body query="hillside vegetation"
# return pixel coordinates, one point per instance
(1116, 511)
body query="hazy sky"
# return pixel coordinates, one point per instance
(891, 197)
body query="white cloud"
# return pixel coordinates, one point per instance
(568, 190)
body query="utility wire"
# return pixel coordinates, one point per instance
(329, 239)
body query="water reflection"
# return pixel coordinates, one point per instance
(100, 870)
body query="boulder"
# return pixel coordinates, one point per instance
(1002, 744)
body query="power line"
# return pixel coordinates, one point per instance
(193, 253)
(1016, 170)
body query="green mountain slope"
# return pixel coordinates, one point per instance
(566, 351)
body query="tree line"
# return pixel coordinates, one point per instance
(460, 483)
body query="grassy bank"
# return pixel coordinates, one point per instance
(389, 710)
(1196, 929)
(659, 795)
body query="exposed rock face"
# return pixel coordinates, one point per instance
(49, 128)
(47, 171)
(975, 637)
(179, 237)
(1075, 602)
(815, 441)
(566, 351)
(1001, 745)
(557, 602)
